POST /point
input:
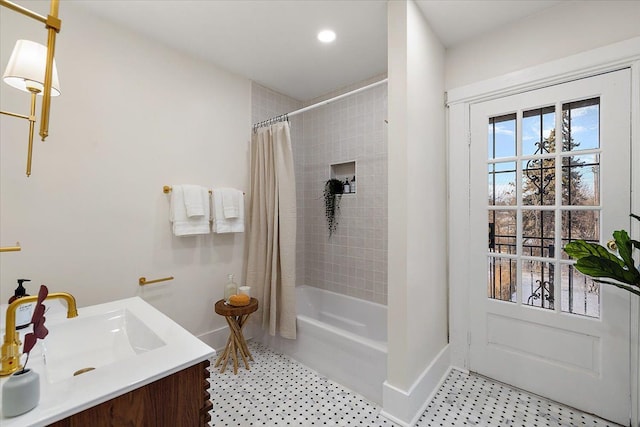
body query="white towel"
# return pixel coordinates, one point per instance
(195, 197)
(221, 224)
(230, 201)
(182, 224)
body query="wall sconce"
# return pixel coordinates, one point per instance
(25, 71)
(32, 69)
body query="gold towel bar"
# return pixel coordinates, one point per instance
(143, 280)
(15, 248)
(167, 189)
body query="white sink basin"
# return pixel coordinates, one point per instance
(128, 342)
(96, 341)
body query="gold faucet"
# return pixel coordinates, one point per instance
(11, 346)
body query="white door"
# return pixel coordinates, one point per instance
(536, 322)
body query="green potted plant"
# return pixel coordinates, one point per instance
(333, 190)
(615, 262)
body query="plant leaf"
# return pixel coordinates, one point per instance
(579, 249)
(29, 341)
(625, 250)
(39, 330)
(595, 266)
(37, 319)
(38, 312)
(42, 293)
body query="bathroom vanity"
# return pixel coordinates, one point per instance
(119, 363)
(179, 400)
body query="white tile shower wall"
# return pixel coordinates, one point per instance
(354, 260)
(266, 104)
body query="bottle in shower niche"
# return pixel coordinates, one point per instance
(231, 288)
(347, 187)
(353, 184)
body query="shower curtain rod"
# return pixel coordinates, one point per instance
(286, 116)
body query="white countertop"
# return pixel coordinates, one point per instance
(64, 398)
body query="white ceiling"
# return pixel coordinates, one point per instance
(274, 41)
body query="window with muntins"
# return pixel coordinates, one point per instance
(532, 215)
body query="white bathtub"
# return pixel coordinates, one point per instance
(341, 337)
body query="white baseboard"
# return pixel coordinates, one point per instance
(405, 407)
(463, 370)
(217, 339)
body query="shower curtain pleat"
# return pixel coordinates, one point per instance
(271, 233)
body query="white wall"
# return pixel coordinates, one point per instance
(554, 33)
(133, 116)
(417, 303)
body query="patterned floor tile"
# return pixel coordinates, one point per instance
(471, 400)
(279, 391)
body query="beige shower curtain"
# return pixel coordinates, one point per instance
(271, 260)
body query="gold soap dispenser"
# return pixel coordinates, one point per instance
(25, 311)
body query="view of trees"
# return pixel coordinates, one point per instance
(579, 186)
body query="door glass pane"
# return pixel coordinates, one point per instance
(502, 184)
(502, 136)
(580, 294)
(502, 232)
(581, 125)
(580, 225)
(502, 279)
(581, 180)
(537, 283)
(580, 187)
(538, 131)
(538, 233)
(522, 203)
(538, 182)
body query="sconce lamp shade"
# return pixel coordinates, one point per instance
(27, 66)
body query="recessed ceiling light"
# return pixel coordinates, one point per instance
(326, 36)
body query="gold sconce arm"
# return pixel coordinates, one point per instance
(143, 280)
(20, 116)
(23, 10)
(53, 27)
(15, 248)
(32, 120)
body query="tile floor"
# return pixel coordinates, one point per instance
(279, 391)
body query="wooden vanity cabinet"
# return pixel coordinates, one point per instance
(179, 400)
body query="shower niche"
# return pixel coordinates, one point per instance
(346, 173)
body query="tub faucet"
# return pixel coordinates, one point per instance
(11, 345)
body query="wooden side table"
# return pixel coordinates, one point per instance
(236, 318)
